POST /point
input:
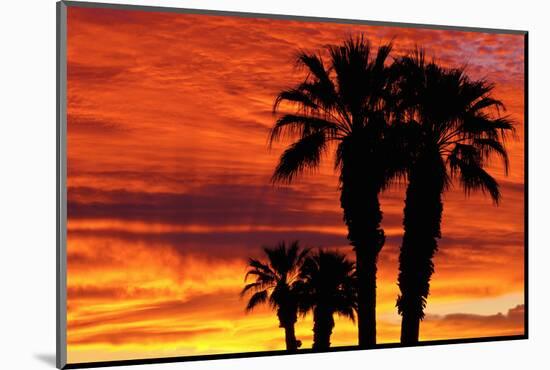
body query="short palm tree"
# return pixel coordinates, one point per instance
(345, 104)
(328, 287)
(275, 284)
(454, 128)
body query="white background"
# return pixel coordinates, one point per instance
(27, 193)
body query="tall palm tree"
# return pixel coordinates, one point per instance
(275, 284)
(328, 287)
(345, 104)
(454, 128)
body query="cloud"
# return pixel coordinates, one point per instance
(86, 74)
(143, 336)
(468, 325)
(93, 293)
(212, 204)
(220, 245)
(89, 125)
(159, 310)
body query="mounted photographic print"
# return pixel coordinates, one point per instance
(235, 184)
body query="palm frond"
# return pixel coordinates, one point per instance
(488, 147)
(251, 286)
(261, 276)
(258, 265)
(328, 279)
(474, 178)
(314, 64)
(276, 257)
(297, 97)
(300, 156)
(382, 55)
(302, 126)
(481, 125)
(466, 162)
(257, 299)
(302, 256)
(351, 64)
(321, 93)
(348, 312)
(487, 102)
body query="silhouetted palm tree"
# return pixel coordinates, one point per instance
(345, 105)
(275, 285)
(452, 133)
(328, 287)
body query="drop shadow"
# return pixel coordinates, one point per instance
(47, 358)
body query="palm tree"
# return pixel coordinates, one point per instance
(328, 286)
(453, 132)
(345, 104)
(275, 285)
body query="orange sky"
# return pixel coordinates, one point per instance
(168, 187)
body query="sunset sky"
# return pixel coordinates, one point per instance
(169, 192)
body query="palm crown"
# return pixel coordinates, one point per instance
(328, 280)
(449, 118)
(275, 284)
(345, 98)
(276, 279)
(328, 287)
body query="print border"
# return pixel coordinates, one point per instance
(61, 186)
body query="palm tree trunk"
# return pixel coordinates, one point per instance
(290, 338)
(323, 323)
(422, 229)
(366, 298)
(362, 215)
(287, 314)
(410, 328)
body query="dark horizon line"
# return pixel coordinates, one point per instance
(169, 9)
(161, 360)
